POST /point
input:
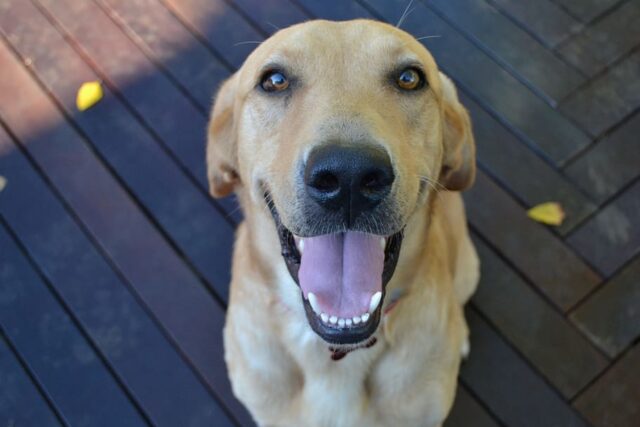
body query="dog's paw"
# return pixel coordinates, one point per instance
(465, 349)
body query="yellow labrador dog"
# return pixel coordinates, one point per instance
(347, 148)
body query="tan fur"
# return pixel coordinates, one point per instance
(279, 368)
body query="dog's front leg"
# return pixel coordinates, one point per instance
(263, 376)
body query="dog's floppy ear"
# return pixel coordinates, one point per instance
(222, 158)
(459, 161)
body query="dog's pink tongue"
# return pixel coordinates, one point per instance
(343, 270)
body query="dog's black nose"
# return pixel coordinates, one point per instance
(353, 179)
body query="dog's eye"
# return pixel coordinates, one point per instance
(274, 81)
(410, 79)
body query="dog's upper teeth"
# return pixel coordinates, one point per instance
(324, 317)
(333, 320)
(313, 302)
(365, 317)
(300, 245)
(375, 301)
(357, 320)
(348, 322)
(383, 242)
(341, 322)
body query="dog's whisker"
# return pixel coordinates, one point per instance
(248, 42)
(435, 184)
(405, 14)
(432, 185)
(233, 211)
(435, 36)
(273, 25)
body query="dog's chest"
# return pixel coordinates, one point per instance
(336, 392)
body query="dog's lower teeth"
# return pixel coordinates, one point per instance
(344, 322)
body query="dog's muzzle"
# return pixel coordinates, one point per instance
(343, 270)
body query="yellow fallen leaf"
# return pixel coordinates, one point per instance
(88, 94)
(3, 182)
(550, 213)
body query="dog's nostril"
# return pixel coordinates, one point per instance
(372, 182)
(325, 182)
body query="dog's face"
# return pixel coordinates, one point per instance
(343, 130)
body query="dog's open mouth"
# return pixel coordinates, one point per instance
(342, 278)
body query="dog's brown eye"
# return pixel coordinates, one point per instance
(409, 79)
(274, 82)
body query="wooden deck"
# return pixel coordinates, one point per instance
(114, 261)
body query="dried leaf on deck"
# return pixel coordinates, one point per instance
(550, 213)
(88, 94)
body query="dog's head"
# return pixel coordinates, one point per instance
(342, 130)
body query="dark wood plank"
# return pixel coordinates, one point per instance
(191, 316)
(540, 333)
(55, 350)
(467, 412)
(613, 400)
(508, 386)
(512, 47)
(533, 119)
(161, 35)
(612, 236)
(607, 99)
(610, 317)
(534, 250)
(587, 10)
(188, 62)
(220, 25)
(498, 150)
(545, 20)
(609, 165)
(172, 116)
(185, 213)
(605, 41)
(271, 15)
(21, 404)
(102, 302)
(335, 10)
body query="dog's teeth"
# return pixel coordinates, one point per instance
(313, 301)
(333, 320)
(365, 317)
(300, 245)
(383, 242)
(375, 301)
(341, 322)
(324, 317)
(348, 322)
(357, 320)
